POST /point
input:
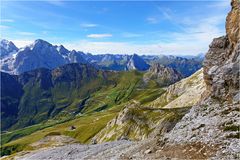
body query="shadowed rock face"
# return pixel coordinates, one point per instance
(221, 64)
(137, 63)
(163, 75)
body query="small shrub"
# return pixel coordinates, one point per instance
(53, 134)
(231, 128)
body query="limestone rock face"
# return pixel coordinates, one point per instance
(214, 121)
(233, 23)
(222, 61)
(221, 69)
(163, 75)
(184, 93)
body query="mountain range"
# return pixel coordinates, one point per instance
(41, 94)
(42, 54)
(122, 106)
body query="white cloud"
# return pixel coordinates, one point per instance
(21, 42)
(4, 27)
(220, 4)
(205, 29)
(7, 20)
(44, 32)
(131, 35)
(173, 48)
(152, 20)
(166, 12)
(104, 47)
(99, 35)
(88, 25)
(194, 39)
(26, 33)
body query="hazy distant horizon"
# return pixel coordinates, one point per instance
(152, 28)
(141, 54)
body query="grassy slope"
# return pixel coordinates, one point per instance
(136, 121)
(99, 108)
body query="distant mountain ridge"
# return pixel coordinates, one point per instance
(42, 54)
(66, 91)
(37, 95)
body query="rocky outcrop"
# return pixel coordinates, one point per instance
(233, 23)
(185, 65)
(137, 122)
(214, 122)
(162, 75)
(128, 124)
(184, 93)
(221, 70)
(222, 62)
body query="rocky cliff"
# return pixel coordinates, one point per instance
(211, 128)
(162, 75)
(221, 65)
(184, 93)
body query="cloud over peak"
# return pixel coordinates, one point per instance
(88, 25)
(105, 35)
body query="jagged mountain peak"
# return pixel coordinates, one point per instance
(5, 42)
(136, 57)
(137, 63)
(40, 54)
(158, 67)
(161, 69)
(162, 74)
(62, 50)
(7, 48)
(39, 43)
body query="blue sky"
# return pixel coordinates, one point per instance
(143, 27)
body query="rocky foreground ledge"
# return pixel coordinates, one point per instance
(77, 151)
(122, 149)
